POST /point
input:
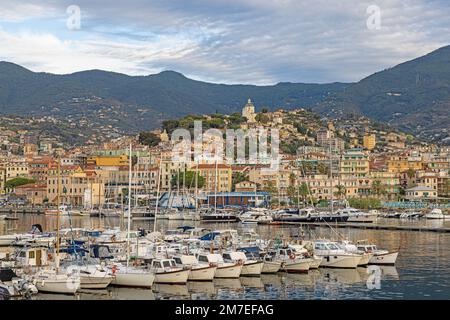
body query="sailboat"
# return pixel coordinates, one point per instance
(53, 280)
(126, 275)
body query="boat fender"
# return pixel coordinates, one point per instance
(114, 269)
(292, 256)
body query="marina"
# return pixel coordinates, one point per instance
(419, 271)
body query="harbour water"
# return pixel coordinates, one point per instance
(422, 270)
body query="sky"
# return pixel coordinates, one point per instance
(224, 41)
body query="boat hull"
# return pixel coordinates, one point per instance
(172, 277)
(252, 269)
(271, 267)
(63, 286)
(202, 274)
(296, 266)
(384, 259)
(233, 271)
(140, 280)
(340, 261)
(95, 282)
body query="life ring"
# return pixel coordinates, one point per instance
(292, 256)
(114, 269)
(49, 256)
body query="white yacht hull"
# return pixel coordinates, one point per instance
(95, 282)
(386, 259)
(130, 279)
(296, 266)
(363, 219)
(271, 267)
(233, 271)
(202, 274)
(340, 261)
(172, 277)
(61, 284)
(252, 269)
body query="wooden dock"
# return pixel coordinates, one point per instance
(367, 226)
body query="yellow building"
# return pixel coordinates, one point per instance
(369, 141)
(399, 164)
(108, 161)
(217, 177)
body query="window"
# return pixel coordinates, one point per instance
(166, 264)
(31, 254)
(202, 259)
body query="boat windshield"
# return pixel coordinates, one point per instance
(332, 246)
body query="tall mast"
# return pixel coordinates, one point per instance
(129, 209)
(331, 178)
(196, 188)
(215, 191)
(157, 192)
(57, 213)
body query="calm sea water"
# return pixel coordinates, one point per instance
(422, 270)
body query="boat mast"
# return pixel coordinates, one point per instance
(129, 209)
(57, 214)
(157, 191)
(196, 189)
(331, 178)
(215, 191)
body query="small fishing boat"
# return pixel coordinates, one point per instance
(249, 267)
(335, 257)
(380, 257)
(167, 272)
(198, 272)
(292, 263)
(224, 269)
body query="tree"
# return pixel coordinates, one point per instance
(264, 110)
(16, 182)
(341, 191)
(238, 177)
(149, 139)
(189, 180)
(411, 173)
(378, 188)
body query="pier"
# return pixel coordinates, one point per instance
(367, 226)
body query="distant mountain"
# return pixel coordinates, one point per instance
(140, 102)
(413, 96)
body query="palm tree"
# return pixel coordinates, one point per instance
(378, 188)
(341, 191)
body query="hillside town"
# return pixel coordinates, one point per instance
(321, 160)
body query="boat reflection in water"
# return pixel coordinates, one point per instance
(124, 293)
(252, 282)
(171, 291)
(342, 276)
(204, 288)
(306, 280)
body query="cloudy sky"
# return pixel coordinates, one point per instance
(226, 41)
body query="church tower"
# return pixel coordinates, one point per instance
(249, 111)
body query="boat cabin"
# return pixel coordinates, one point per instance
(160, 265)
(209, 258)
(234, 256)
(185, 260)
(33, 256)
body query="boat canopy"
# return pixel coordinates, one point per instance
(7, 274)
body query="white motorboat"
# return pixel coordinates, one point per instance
(437, 214)
(255, 217)
(167, 272)
(198, 272)
(355, 215)
(411, 215)
(49, 280)
(335, 257)
(381, 257)
(3, 217)
(292, 263)
(176, 215)
(224, 269)
(131, 276)
(249, 267)
(301, 251)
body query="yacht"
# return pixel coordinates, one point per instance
(256, 217)
(224, 269)
(437, 214)
(335, 257)
(271, 265)
(381, 257)
(167, 272)
(352, 248)
(219, 216)
(198, 272)
(92, 276)
(355, 215)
